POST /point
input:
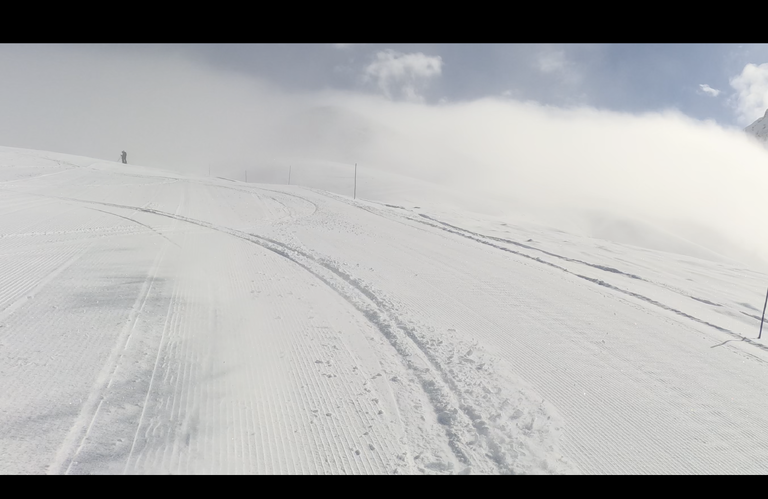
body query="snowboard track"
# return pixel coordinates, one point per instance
(484, 239)
(138, 223)
(460, 415)
(480, 238)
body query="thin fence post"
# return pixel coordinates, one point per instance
(763, 317)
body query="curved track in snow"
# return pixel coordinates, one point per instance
(152, 324)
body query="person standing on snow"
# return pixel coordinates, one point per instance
(124, 157)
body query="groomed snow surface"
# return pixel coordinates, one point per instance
(152, 322)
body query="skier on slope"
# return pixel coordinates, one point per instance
(124, 157)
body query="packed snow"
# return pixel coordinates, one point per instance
(158, 322)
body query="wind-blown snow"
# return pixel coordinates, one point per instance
(157, 322)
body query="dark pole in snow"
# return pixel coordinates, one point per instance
(763, 317)
(354, 196)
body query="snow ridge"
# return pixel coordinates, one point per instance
(759, 129)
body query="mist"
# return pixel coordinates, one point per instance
(163, 109)
(661, 180)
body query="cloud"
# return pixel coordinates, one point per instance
(675, 183)
(404, 75)
(706, 89)
(574, 167)
(553, 62)
(549, 62)
(751, 98)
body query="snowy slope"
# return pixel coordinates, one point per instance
(152, 322)
(759, 129)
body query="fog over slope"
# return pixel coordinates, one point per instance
(658, 179)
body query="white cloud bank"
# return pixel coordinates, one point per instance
(751, 98)
(402, 75)
(692, 181)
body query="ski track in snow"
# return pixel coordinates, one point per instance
(154, 324)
